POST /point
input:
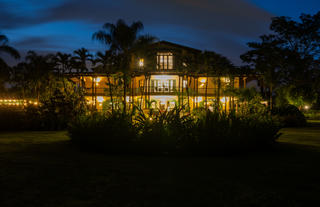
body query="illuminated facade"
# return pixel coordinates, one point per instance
(159, 81)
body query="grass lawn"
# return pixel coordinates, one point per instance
(43, 169)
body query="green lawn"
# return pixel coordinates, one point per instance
(43, 169)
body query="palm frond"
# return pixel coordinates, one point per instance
(10, 50)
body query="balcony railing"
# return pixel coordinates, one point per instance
(157, 91)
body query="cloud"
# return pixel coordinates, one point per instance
(234, 16)
(204, 24)
(37, 42)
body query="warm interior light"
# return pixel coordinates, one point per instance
(227, 80)
(306, 107)
(165, 77)
(223, 99)
(164, 99)
(184, 83)
(100, 99)
(141, 62)
(97, 80)
(202, 80)
(199, 99)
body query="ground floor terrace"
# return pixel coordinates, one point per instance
(161, 91)
(162, 102)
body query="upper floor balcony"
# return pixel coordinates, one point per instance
(141, 91)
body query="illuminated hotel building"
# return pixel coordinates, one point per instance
(159, 80)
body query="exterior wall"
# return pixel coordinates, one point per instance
(164, 86)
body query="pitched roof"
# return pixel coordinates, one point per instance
(176, 46)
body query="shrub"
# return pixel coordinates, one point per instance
(164, 132)
(57, 110)
(172, 132)
(18, 118)
(312, 114)
(289, 116)
(111, 132)
(221, 132)
(12, 119)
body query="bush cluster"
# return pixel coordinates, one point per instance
(12, 118)
(312, 114)
(52, 113)
(111, 132)
(289, 116)
(32, 118)
(171, 132)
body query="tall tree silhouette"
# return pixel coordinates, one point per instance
(218, 66)
(5, 48)
(105, 65)
(82, 57)
(121, 38)
(38, 71)
(80, 61)
(287, 58)
(63, 64)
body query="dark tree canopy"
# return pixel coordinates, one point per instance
(288, 59)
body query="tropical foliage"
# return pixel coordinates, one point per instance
(171, 132)
(4, 68)
(288, 60)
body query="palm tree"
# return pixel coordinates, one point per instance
(38, 71)
(80, 60)
(141, 50)
(122, 39)
(189, 67)
(82, 56)
(218, 66)
(207, 69)
(20, 79)
(63, 65)
(4, 47)
(106, 61)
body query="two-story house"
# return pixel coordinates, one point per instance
(162, 78)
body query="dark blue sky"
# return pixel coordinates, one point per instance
(223, 26)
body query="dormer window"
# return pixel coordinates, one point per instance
(164, 61)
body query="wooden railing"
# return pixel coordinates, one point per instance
(158, 91)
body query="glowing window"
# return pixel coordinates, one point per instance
(164, 61)
(163, 85)
(185, 83)
(141, 62)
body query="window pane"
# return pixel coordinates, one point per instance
(170, 62)
(164, 60)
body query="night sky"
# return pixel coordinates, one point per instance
(223, 26)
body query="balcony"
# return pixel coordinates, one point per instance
(157, 91)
